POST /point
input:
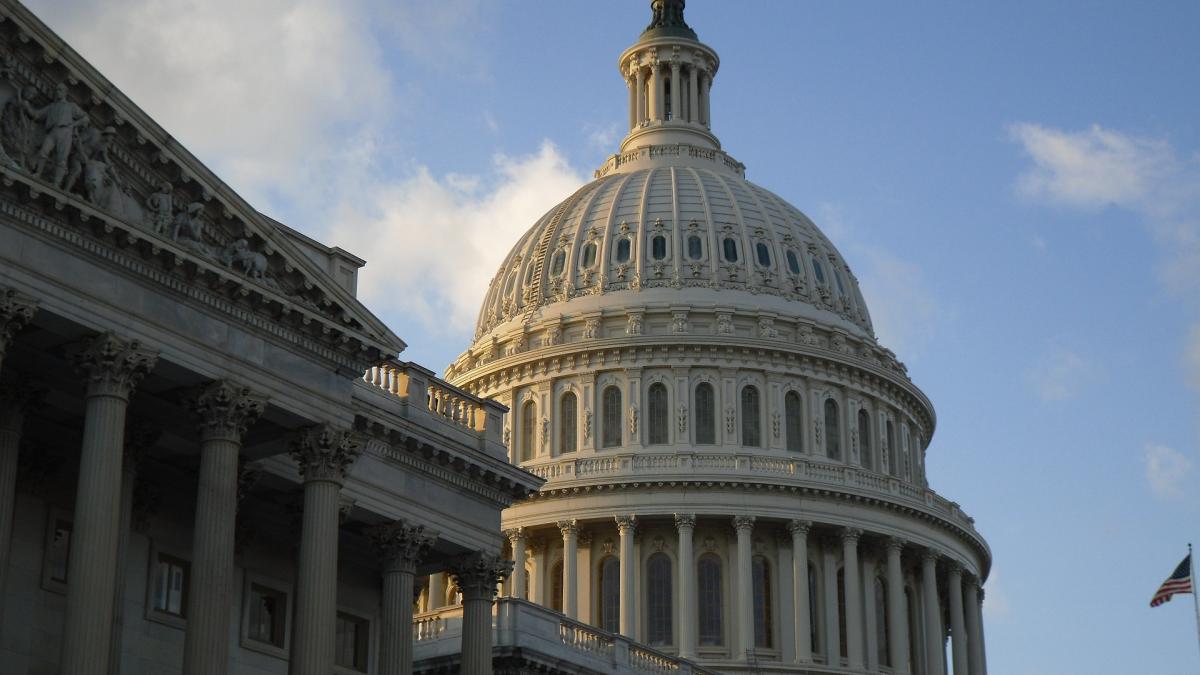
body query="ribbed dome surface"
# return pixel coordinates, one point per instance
(674, 234)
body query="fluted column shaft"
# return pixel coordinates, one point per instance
(400, 546)
(685, 523)
(476, 576)
(324, 455)
(705, 86)
(641, 95)
(933, 620)
(633, 100)
(854, 619)
(516, 537)
(799, 530)
(896, 617)
(974, 627)
(676, 91)
(659, 82)
(745, 586)
(626, 526)
(14, 399)
(113, 367)
(958, 627)
(570, 599)
(693, 96)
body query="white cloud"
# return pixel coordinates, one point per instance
(1167, 470)
(1060, 375)
(996, 604)
(604, 138)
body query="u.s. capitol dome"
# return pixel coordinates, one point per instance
(735, 466)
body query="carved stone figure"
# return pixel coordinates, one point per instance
(161, 205)
(240, 257)
(60, 117)
(9, 93)
(188, 229)
(587, 424)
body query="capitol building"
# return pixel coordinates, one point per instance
(673, 447)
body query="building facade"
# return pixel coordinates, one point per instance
(734, 466)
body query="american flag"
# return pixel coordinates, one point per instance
(1180, 581)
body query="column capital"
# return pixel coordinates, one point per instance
(683, 520)
(743, 523)
(895, 544)
(799, 527)
(226, 409)
(477, 574)
(972, 583)
(16, 311)
(931, 555)
(850, 534)
(570, 526)
(514, 533)
(113, 366)
(954, 567)
(401, 545)
(626, 523)
(325, 452)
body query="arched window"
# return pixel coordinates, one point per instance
(695, 247)
(556, 586)
(529, 274)
(841, 605)
(864, 439)
(837, 276)
(893, 450)
(763, 253)
(559, 262)
(708, 585)
(658, 417)
(528, 430)
(730, 248)
(511, 283)
(611, 432)
(706, 422)
(912, 450)
(882, 646)
(658, 600)
(610, 594)
(588, 258)
(833, 435)
(793, 262)
(658, 247)
(793, 421)
(751, 429)
(818, 271)
(623, 249)
(667, 112)
(814, 616)
(761, 580)
(568, 411)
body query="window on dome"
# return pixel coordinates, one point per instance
(610, 594)
(893, 451)
(837, 276)
(511, 283)
(833, 432)
(706, 427)
(658, 247)
(818, 271)
(751, 430)
(912, 448)
(814, 620)
(731, 251)
(864, 439)
(658, 600)
(588, 258)
(695, 247)
(623, 249)
(708, 585)
(567, 414)
(667, 112)
(659, 417)
(763, 253)
(793, 263)
(556, 586)
(792, 413)
(529, 274)
(611, 433)
(882, 639)
(761, 579)
(528, 427)
(558, 263)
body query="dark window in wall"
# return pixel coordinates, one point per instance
(814, 615)
(589, 255)
(864, 439)
(841, 605)
(893, 450)
(658, 600)
(751, 427)
(793, 263)
(731, 249)
(568, 411)
(556, 587)
(528, 430)
(914, 640)
(170, 585)
(695, 247)
(763, 630)
(610, 594)
(708, 585)
(882, 644)
(611, 433)
(267, 615)
(764, 254)
(667, 112)
(658, 247)
(818, 271)
(559, 263)
(706, 422)
(837, 276)
(623, 250)
(833, 432)
(58, 550)
(659, 415)
(908, 457)
(793, 421)
(351, 642)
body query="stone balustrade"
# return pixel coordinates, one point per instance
(674, 150)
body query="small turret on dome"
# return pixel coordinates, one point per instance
(668, 20)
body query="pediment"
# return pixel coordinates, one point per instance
(74, 149)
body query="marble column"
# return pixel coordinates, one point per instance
(958, 626)
(693, 96)
(659, 82)
(476, 575)
(139, 437)
(934, 648)
(516, 536)
(226, 409)
(16, 397)
(799, 530)
(896, 617)
(854, 620)
(980, 640)
(676, 92)
(16, 311)
(705, 86)
(400, 546)
(685, 523)
(112, 369)
(744, 525)
(641, 95)
(626, 526)
(974, 626)
(324, 455)
(631, 84)
(570, 535)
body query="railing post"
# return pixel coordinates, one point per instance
(489, 424)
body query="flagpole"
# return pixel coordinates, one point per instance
(1195, 592)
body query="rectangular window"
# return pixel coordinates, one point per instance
(267, 615)
(58, 550)
(351, 641)
(170, 585)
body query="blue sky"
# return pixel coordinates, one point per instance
(1017, 185)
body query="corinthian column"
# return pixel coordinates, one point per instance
(324, 455)
(516, 537)
(958, 628)
(626, 526)
(16, 311)
(401, 547)
(476, 575)
(686, 524)
(226, 410)
(113, 367)
(933, 621)
(15, 399)
(570, 599)
(896, 618)
(974, 627)
(854, 619)
(799, 571)
(640, 83)
(693, 95)
(745, 586)
(676, 91)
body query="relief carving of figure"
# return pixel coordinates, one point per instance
(241, 258)
(162, 208)
(9, 93)
(60, 117)
(188, 229)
